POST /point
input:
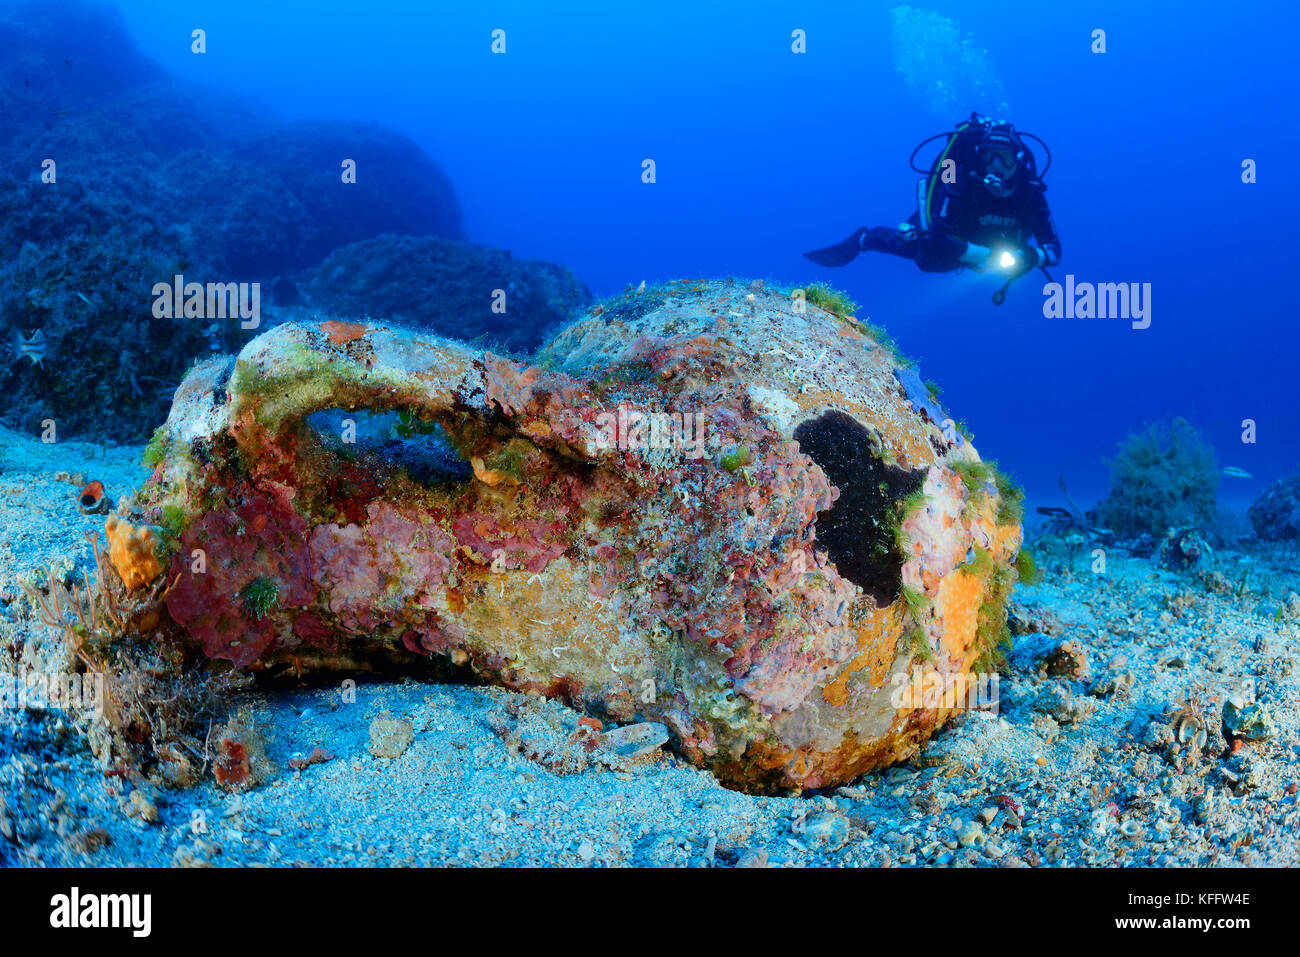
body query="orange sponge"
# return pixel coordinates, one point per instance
(132, 550)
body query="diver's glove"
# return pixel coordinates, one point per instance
(1028, 257)
(1015, 263)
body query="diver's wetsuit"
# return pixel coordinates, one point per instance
(977, 217)
(984, 218)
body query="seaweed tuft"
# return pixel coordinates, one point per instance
(156, 450)
(1164, 477)
(260, 596)
(831, 300)
(1011, 498)
(1027, 568)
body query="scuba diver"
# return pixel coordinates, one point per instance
(980, 206)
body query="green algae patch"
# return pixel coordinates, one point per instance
(1011, 498)
(974, 475)
(260, 597)
(511, 458)
(1027, 568)
(918, 644)
(980, 563)
(736, 458)
(174, 519)
(831, 300)
(992, 634)
(156, 450)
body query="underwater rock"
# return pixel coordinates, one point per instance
(390, 737)
(1143, 546)
(247, 222)
(826, 829)
(109, 366)
(447, 287)
(1248, 720)
(971, 834)
(150, 184)
(1275, 515)
(398, 188)
(723, 515)
(70, 53)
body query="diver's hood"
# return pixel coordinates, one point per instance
(1002, 137)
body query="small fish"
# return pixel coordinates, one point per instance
(1054, 510)
(33, 348)
(1235, 472)
(84, 299)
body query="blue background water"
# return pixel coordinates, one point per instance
(762, 153)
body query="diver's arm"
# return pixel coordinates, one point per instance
(940, 252)
(1051, 255)
(1044, 231)
(946, 251)
(1048, 254)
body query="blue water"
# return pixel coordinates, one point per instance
(762, 153)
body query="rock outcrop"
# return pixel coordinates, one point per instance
(707, 506)
(1275, 515)
(119, 177)
(450, 288)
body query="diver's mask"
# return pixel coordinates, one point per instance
(1000, 157)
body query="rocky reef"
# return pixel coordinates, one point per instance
(1275, 515)
(120, 178)
(447, 287)
(708, 506)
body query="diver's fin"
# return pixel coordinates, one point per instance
(840, 254)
